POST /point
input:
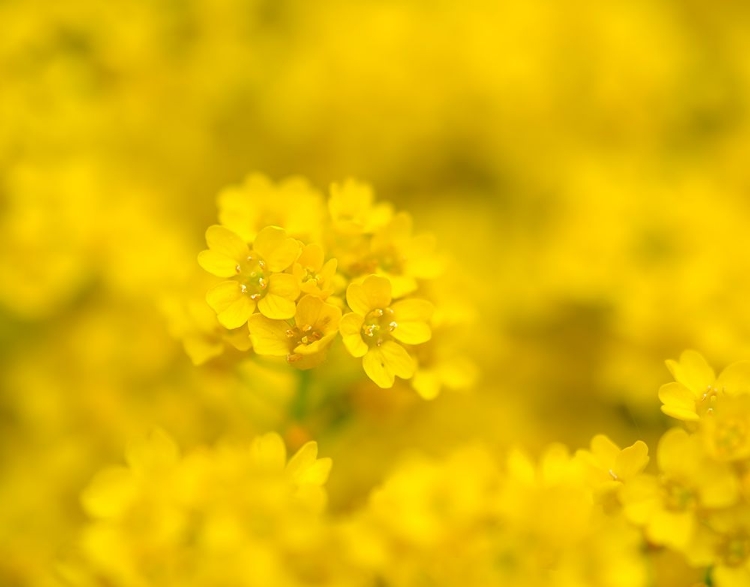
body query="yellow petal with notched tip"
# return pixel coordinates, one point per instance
(374, 292)
(692, 371)
(225, 242)
(604, 450)
(277, 249)
(232, 306)
(678, 399)
(631, 461)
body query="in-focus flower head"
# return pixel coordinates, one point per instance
(377, 328)
(314, 273)
(256, 274)
(303, 343)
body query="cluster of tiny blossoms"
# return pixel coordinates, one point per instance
(298, 271)
(699, 505)
(238, 513)
(244, 515)
(473, 517)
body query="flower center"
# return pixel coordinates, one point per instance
(706, 403)
(735, 550)
(378, 325)
(251, 274)
(678, 498)
(301, 335)
(730, 437)
(310, 275)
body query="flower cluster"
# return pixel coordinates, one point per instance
(699, 503)
(474, 519)
(296, 273)
(236, 511)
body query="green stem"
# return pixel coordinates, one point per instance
(708, 580)
(301, 399)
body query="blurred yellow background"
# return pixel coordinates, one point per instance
(584, 165)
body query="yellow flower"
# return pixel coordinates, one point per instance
(726, 547)
(668, 506)
(696, 387)
(215, 507)
(256, 275)
(726, 428)
(607, 467)
(305, 343)
(314, 273)
(402, 257)
(376, 329)
(258, 202)
(352, 209)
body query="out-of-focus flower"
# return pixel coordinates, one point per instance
(696, 387)
(257, 278)
(199, 519)
(376, 329)
(669, 506)
(258, 202)
(353, 211)
(607, 466)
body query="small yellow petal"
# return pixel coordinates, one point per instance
(398, 359)
(351, 329)
(604, 450)
(315, 474)
(374, 292)
(692, 371)
(276, 307)
(384, 362)
(631, 461)
(312, 257)
(284, 285)
(225, 242)
(412, 311)
(411, 332)
(735, 379)
(303, 459)
(217, 264)
(268, 336)
(278, 250)
(375, 367)
(312, 311)
(676, 396)
(232, 306)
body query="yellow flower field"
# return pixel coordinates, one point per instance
(374, 294)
